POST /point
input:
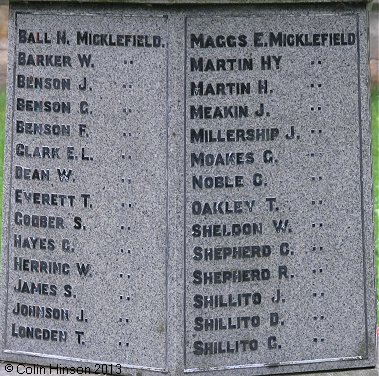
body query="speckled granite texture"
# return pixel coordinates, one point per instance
(188, 189)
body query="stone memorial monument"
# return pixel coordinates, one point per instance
(188, 188)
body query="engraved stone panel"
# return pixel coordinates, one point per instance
(268, 193)
(188, 189)
(85, 189)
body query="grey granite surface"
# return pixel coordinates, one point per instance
(188, 190)
(15, 369)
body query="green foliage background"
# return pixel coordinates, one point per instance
(2, 134)
(375, 171)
